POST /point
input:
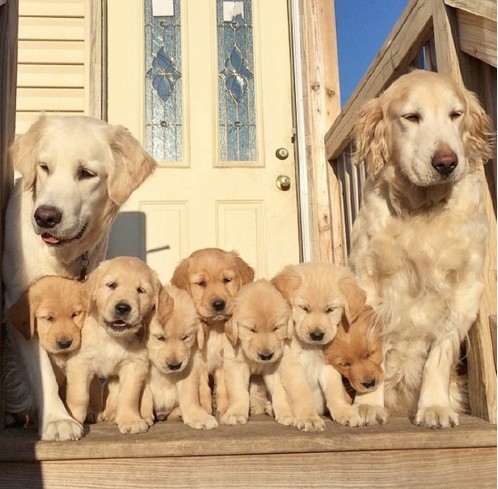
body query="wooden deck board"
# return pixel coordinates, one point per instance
(260, 436)
(259, 454)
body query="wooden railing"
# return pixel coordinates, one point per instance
(458, 38)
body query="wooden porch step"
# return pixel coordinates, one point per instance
(261, 454)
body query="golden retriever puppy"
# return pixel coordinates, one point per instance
(419, 240)
(177, 367)
(213, 277)
(356, 352)
(257, 343)
(76, 172)
(122, 299)
(321, 296)
(54, 308)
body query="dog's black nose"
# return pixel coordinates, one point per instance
(266, 355)
(47, 216)
(368, 384)
(122, 308)
(64, 344)
(444, 161)
(174, 366)
(218, 305)
(317, 335)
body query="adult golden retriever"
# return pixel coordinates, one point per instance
(76, 173)
(213, 277)
(419, 240)
(257, 342)
(123, 295)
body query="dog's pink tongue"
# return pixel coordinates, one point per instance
(48, 238)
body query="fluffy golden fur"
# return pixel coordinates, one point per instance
(213, 277)
(122, 298)
(321, 296)
(257, 343)
(419, 240)
(177, 368)
(76, 173)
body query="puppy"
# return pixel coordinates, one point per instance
(76, 173)
(257, 343)
(356, 351)
(213, 278)
(321, 296)
(122, 299)
(419, 240)
(177, 367)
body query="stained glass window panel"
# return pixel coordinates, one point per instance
(163, 83)
(236, 87)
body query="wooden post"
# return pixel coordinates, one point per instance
(9, 13)
(321, 99)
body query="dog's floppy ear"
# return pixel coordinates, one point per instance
(180, 275)
(246, 273)
(369, 136)
(286, 282)
(355, 297)
(23, 153)
(232, 330)
(22, 314)
(131, 164)
(290, 328)
(165, 305)
(477, 126)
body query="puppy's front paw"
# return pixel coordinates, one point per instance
(314, 424)
(207, 422)
(62, 430)
(286, 420)
(347, 416)
(436, 417)
(232, 418)
(371, 414)
(131, 425)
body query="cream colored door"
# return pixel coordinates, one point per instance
(207, 195)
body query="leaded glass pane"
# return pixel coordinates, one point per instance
(236, 91)
(163, 84)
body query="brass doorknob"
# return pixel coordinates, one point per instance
(282, 153)
(283, 182)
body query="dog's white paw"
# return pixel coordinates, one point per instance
(286, 420)
(314, 424)
(371, 414)
(231, 418)
(132, 426)
(205, 423)
(348, 416)
(62, 430)
(436, 417)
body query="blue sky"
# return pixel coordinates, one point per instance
(362, 27)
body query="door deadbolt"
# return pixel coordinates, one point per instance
(282, 153)
(283, 182)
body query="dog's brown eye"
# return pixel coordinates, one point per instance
(202, 283)
(412, 117)
(75, 314)
(227, 280)
(84, 174)
(111, 285)
(305, 308)
(186, 337)
(160, 337)
(43, 167)
(141, 290)
(456, 114)
(329, 310)
(50, 319)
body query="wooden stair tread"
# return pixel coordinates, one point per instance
(260, 436)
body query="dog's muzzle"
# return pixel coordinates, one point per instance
(48, 217)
